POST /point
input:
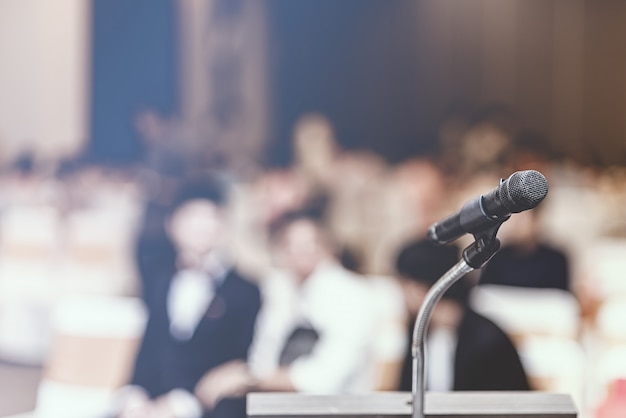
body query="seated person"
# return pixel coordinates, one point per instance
(313, 331)
(465, 351)
(525, 261)
(202, 314)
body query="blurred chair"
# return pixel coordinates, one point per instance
(98, 258)
(544, 324)
(554, 364)
(610, 322)
(525, 312)
(29, 246)
(607, 264)
(94, 346)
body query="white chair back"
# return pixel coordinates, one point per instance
(95, 342)
(523, 312)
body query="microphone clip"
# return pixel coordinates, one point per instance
(484, 247)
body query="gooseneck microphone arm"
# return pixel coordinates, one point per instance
(474, 257)
(419, 331)
(481, 217)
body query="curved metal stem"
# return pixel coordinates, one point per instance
(459, 270)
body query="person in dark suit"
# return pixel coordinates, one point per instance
(525, 261)
(201, 315)
(465, 351)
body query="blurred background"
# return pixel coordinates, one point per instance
(391, 113)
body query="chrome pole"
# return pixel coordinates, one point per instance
(459, 270)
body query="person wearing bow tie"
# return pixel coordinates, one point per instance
(201, 315)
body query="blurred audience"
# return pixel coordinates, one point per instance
(254, 206)
(201, 314)
(525, 259)
(313, 331)
(316, 151)
(465, 350)
(324, 327)
(415, 195)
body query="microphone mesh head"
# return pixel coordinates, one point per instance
(526, 189)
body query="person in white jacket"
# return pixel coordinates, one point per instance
(313, 333)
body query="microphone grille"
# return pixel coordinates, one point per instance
(526, 189)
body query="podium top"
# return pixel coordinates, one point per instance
(398, 405)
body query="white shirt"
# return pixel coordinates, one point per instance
(389, 338)
(440, 355)
(336, 303)
(190, 294)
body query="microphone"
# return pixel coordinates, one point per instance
(523, 190)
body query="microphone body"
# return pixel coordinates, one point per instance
(523, 190)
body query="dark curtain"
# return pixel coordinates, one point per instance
(134, 67)
(352, 60)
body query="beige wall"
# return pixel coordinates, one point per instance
(43, 76)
